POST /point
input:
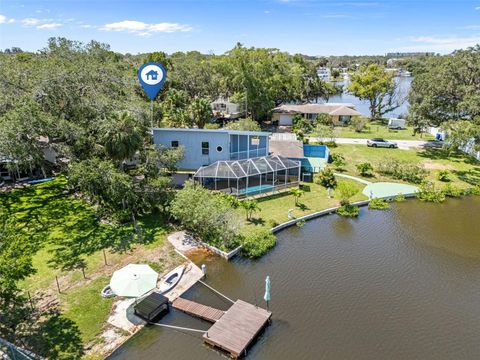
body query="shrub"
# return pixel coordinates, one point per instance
(430, 194)
(301, 124)
(324, 119)
(337, 160)
(257, 242)
(378, 204)
(330, 144)
(402, 170)
(475, 190)
(399, 198)
(272, 223)
(453, 191)
(211, 126)
(300, 223)
(443, 175)
(358, 123)
(323, 133)
(345, 191)
(365, 169)
(348, 210)
(326, 179)
(206, 216)
(246, 124)
(387, 166)
(231, 199)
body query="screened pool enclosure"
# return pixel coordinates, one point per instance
(261, 175)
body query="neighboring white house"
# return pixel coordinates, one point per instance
(323, 73)
(225, 109)
(341, 113)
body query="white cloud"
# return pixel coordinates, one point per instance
(144, 29)
(266, 12)
(441, 44)
(86, 26)
(5, 20)
(30, 21)
(49, 26)
(477, 8)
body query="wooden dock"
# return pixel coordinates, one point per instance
(199, 310)
(237, 328)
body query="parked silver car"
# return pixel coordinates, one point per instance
(377, 142)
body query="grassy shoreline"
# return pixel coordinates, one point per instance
(66, 216)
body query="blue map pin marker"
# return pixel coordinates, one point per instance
(152, 75)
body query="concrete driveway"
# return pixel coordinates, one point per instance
(402, 144)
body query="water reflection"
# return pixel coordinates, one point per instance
(396, 284)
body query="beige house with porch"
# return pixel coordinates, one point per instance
(341, 113)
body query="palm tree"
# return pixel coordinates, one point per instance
(123, 137)
(250, 206)
(296, 192)
(200, 112)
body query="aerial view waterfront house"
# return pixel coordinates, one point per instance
(268, 180)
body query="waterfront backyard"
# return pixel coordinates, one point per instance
(67, 218)
(359, 288)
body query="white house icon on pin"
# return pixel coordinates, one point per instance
(152, 74)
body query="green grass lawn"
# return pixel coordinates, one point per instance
(379, 130)
(274, 209)
(86, 308)
(64, 217)
(464, 171)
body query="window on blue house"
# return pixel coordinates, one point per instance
(174, 144)
(205, 148)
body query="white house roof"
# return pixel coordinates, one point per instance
(328, 108)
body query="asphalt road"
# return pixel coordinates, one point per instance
(402, 144)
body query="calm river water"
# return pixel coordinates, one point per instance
(396, 284)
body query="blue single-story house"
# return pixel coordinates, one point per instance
(206, 146)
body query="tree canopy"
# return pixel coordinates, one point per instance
(374, 84)
(447, 94)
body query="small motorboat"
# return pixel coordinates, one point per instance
(171, 279)
(107, 292)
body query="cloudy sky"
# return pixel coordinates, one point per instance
(323, 27)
